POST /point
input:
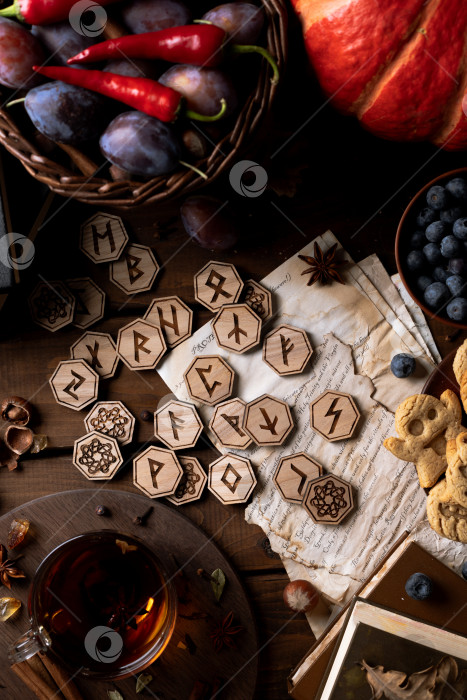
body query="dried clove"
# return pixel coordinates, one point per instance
(141, 519)
(102, 510)
(207, 577)
(146, 415)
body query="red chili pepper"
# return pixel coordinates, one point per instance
(143, 94)
(42, 11)
(195, 44)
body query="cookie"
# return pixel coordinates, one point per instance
(447, 517)
(424, 425)
(460, 362)
(456, 473)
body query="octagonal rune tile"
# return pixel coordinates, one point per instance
(226, 424)
(334, 415)
(52, 305)
(268, 421)
(178, 425)
(258, 298)
(140, 344)
(174, 318)
(237, 328)
(231, 479)
(97, 456)
(209, 379)
(192, 483)
(99, 351)
(111, 418)
(287, 350)
(157, 472)
(328, 499)
(90, 301)
(103, 237)
(293, 474)
(216, 284)
(74, 384)
(136, 269)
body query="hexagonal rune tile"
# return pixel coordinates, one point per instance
(268, 421)
(258, 298)
(111, 418)
(157, 472)
(237, 328)
(103, 237)
(287, 350)
(99, 351)
(231, 479)
(74, 384)
(192, 482)
(293, 474)
(52, 305)
(97, 456)
(173, 316)
(209, 379)
(140, 344)
(90, 301)
(136, 269)
(178, 425)
(334, 415)
(328, 499)
(217, 284)
(226, 424)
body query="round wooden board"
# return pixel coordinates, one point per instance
(178, 543)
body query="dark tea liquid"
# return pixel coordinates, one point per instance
(93, 582)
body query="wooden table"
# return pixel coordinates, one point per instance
(353, 184)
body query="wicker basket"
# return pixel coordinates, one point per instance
(125, 194)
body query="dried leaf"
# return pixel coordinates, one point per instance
(142, 681)
(39, 443)
(218, 583)
(114, 695)
(439, 682)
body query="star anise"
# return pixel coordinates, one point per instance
(222, 635)
(7, 568)
(323, 267)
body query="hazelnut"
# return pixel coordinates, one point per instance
(16, 410)
(300, 596)
(18, 438)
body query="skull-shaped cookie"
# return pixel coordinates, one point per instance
(447, 517)
(424, 425)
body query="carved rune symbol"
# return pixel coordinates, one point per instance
(287, 348)
(329, 499)
(93, 351)
(175, 423)
(134, 272)
(302, 478)
(164, 323)
(74, 384)
(232, 486)
(139, 341)
(333, 412)
(202, 371)
(81, 307)
(233, 421)
(211, 282)
(236, 330)
(97, 456)
(270, 424)
(106, 234)
(155, 468)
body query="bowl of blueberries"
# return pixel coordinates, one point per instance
(431, 248)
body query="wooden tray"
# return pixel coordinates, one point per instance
(170, 534)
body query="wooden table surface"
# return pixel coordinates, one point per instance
(345, 179)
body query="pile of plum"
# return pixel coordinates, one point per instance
(136, 144)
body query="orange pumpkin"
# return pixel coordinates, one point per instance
(399, 65)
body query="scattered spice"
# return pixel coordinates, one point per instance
(125, 547)
(146, 415)
(323, 267)
(114, 695)
(8, 607)
(17, 532)
(102, 510)
(223, 633)
(7, 458)
(142, 681)
(453, 336)
(218, 583)
(203, 574)
(39, 443)
(141, 519)
(182, 645)
(17, 410)
(190, 644)
(8, 569)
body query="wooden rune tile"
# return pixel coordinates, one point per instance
(293, 474)
(268, 421)
(258, 298)
(99, 351)
(97, 456)
(103, 237)
(90, 301)
(174, 318)
(287, 350)
(231, 479)
(157, 472)
(136, 269)
(328, 499)
(74, 384)
(178, 425)
(209, 379)
(334, 415)
(226, 424)
(52, 305)
(192, 483)
(237, 328)
(140, 344)
(217, 284)
(111, 418)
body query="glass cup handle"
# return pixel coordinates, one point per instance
(34, 640)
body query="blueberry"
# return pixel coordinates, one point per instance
(458, 188)
(450, 247)
(402, 365)
(419, 586)
(460, 229)
(440, 274)
(436, 295)
(436, 231)
(432, 253)
(452, 214)
(426, 217)
(457, 309)
(417, 240)
(415, 260)
(437, 198)
(423, 282)
(456, 285)
(464, 570)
